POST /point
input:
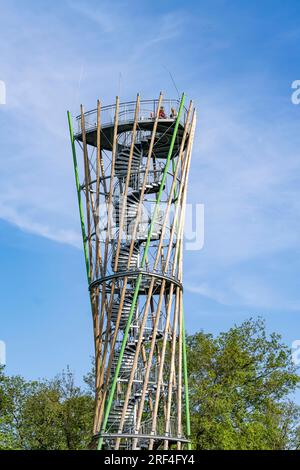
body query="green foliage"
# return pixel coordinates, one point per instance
(44, 415)
(240, 382)
(239, 387)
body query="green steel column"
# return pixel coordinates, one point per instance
(139, 278)
(84, 239)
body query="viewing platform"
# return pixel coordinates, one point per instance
(146, 118)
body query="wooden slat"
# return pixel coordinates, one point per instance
(116, 262)
(161, 366)
(144, 318)
(106, 247)
(149, 364)
(98, 170)
(149, 295)
(112, 174)
(124, 195)
(172, 368)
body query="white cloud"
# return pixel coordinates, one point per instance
(28, 224)
(48, 69)
(244, 167)
(245, 173)
(100, 14)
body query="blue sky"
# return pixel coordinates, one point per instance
(237, 60)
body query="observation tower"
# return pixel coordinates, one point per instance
(131, 181)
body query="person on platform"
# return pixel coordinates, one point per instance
(162, 114)
(173, 114)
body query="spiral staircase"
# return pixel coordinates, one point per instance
(130, 213)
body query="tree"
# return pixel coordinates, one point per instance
(240, 384)
(45, 415)
(14, 392)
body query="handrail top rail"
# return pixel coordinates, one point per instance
(131, 103)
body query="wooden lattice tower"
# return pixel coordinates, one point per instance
(135, 165)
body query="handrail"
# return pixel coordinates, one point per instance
(112, 106)
(126, 113)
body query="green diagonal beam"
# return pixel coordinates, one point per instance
(139, 278)
(84, 238)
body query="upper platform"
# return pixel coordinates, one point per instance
(146, 117)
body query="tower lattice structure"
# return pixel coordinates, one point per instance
(132, 184)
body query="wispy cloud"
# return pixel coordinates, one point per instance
(246, 174)
(245, 162)
(28, 224)
(240, 289)
(100, 13)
